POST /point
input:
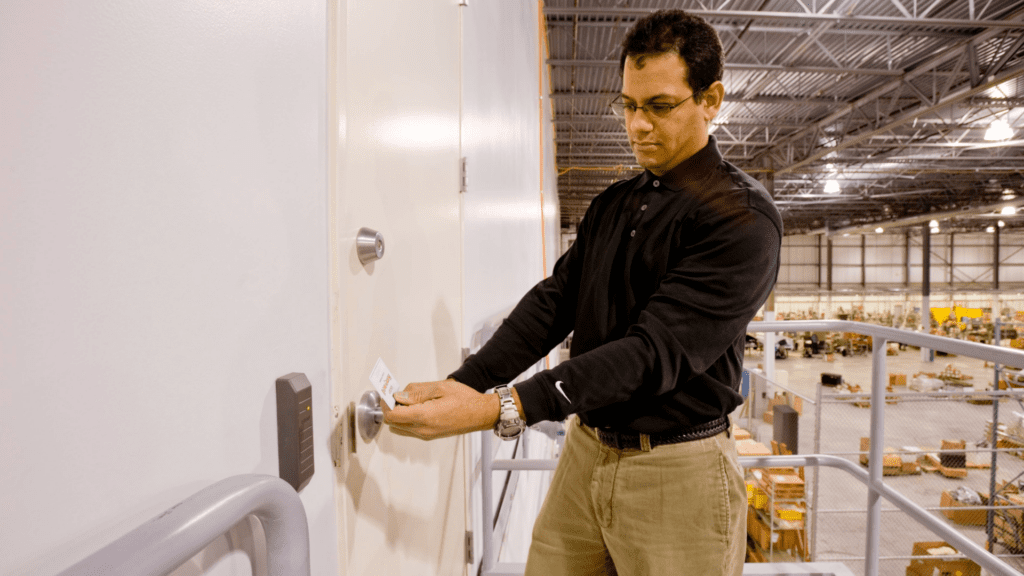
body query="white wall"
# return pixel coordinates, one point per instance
(507, 139)
(163, 249)
(506, 251)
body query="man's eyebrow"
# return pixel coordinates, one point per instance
(651, 99)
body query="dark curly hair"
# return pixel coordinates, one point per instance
(675, 30)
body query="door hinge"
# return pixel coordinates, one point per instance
(463, 177)
(469, 547)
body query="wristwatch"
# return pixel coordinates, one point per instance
(509, 425)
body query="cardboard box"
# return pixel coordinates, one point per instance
(892, 464)
(756, 497)
(927, 566)
(784, 398)
(897, 379)
(965, 517)
(751, 448)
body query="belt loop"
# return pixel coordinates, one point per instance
(645, 442)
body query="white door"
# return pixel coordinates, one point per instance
(395, 168)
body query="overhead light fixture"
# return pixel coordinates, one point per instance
(990, 229)
(935, 230)
(832, 186)
(879, 230)
(845, 234)
(999, 129)
(1008, 211)
(1001, 223)
(934, 224)
(1008, 194)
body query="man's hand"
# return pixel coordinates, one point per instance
(440, 409)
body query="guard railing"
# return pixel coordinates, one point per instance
(871, 478)
(161, 545)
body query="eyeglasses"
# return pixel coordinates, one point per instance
(652, 110)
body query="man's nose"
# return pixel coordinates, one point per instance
(639, 122)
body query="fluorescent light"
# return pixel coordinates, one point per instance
(934, 224)
(1008, 194)
(1001, 223)
(879, 230)
(935, 230)
(998, 130)
(990, 229)
(831, 186)
(1008, 211)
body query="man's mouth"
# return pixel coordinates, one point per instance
(645, 145)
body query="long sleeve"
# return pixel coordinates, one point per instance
(540, 321)
(701, 305)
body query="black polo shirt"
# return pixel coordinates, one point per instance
(658, 288)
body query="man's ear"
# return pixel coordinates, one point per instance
(712, 100)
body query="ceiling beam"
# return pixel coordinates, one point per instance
(782, 29)
(852, 139)
(919, 218)
(629, 14)
(925, 67)
(745, 67)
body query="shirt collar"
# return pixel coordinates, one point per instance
(689, 171)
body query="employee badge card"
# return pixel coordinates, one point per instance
(384, 382)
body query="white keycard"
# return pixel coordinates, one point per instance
(384, 382)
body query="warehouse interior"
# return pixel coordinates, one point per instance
(185, 188)
(888, 133)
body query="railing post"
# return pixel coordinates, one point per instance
(990, 515)
(817, 473)
(879, 376)
(486, 483)
(769, 349)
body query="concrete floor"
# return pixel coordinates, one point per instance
(923, 423)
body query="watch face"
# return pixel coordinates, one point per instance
(510, 430)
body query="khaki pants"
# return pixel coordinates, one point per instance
(677, 509)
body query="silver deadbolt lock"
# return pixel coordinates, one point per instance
(369, 415)
(369, 245)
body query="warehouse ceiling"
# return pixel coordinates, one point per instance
(893, 100)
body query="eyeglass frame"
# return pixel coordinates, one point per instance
(620, 108)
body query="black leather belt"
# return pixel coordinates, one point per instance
(635, 440)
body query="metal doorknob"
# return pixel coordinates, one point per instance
(369, 245)
(369, 415)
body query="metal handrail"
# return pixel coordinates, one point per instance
(969, 548)
(161, 545)
(872, 478)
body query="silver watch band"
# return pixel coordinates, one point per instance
(509, 425)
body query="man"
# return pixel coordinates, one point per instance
(666, 271)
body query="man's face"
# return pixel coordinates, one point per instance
(661, 143)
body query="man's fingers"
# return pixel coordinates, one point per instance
(418, 392)
(403, 416)
(403, 432)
